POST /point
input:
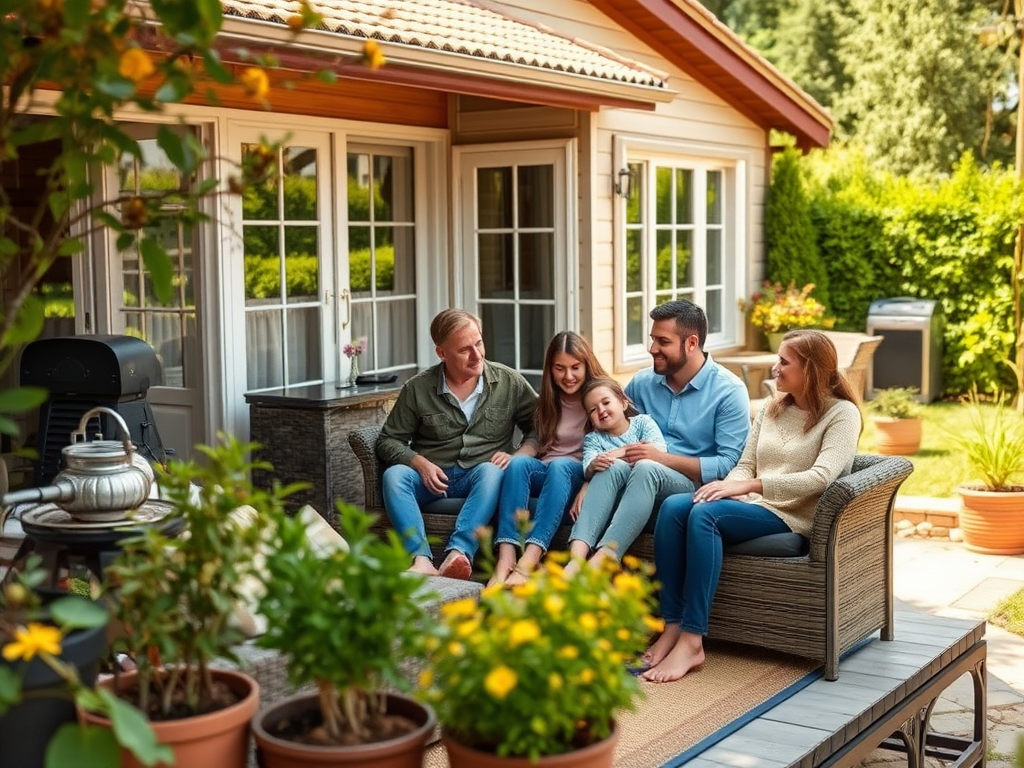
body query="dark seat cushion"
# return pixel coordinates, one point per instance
(775, 545)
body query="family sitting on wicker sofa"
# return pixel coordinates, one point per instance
(438, 445)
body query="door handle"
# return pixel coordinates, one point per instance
(348, 308)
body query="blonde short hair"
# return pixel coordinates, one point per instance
(449, 321)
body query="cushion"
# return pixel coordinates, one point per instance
(775, 545)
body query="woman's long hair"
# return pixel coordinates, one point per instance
(608, 383)
(823, 381)
(549, 403)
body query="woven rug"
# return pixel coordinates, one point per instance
(675, 721)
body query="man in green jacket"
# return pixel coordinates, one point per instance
(450, 435)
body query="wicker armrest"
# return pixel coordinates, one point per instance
(364, 444)
(867, 492)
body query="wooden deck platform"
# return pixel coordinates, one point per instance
(883, 698)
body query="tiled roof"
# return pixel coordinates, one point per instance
(461, 28)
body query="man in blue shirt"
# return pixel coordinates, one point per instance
(703, 411)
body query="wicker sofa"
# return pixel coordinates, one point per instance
(816, 601)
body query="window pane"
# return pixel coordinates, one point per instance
(496, 266)
(494, 198)
(537, 266)
(301, 264)
(260, 200)
(634, 205)
(684, 259)
(714, 197)
(714, 258)
(536, 327)
(393, 187)
(384, 259)
(499, 322)
(536, 196)
(362, 326)
(263, 345)
(300, 184)
(713, 308)
(663, 196)
(262, 264)
(304, 362)
(635, 320)
(397, 344)
(358, 188)
(684, 196)
(664, 260)
(359, 260)
(634, 280)
(130, 280)
(403, 266)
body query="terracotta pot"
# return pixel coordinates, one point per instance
(218, 738)
(897, 437)
(599, 755)
(403, 752)
(992, 521)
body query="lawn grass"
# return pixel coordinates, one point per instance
(939, 467)
(1009, 614)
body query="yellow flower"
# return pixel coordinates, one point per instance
(622, 633)
(373, 57)
(524, 631)
(627, 583)
(491, 591)
(467, 628)
(295, 22)
(500, 681)
(554, 604)
(135, 65)
(587, 676)
(455, 648)
(654, 624)
(604, 644)
(464, 607)
(555, 681)
(631, 561)
(33, 639)
(255, 82)
(525, 590)
(587, 621)
(568, 652)
(426, 678)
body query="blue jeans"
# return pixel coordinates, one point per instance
(404, 492)
(625, 495)
(688, 543)
(555, 485)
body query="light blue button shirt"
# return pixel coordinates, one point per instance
(708, 420)
(468, 405)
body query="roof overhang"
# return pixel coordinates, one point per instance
(691, 38)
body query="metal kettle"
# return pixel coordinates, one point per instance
(102, 480)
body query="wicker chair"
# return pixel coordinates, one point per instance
(817, 604)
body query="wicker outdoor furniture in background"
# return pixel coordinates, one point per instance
(817, 605)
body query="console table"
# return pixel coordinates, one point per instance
(303, 433)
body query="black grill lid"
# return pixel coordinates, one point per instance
(91, 365)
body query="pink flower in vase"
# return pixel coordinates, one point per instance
(354, 350)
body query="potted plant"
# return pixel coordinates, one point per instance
(896, 416)
(176, 599)
(51, 643)
(536, 673)
(992, 505)
(344, 622)
(775, 310)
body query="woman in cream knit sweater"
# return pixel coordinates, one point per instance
(801, 441)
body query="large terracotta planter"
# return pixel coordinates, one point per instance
(599, 755)
(403, 752)
(992, 521)
(27, 727)
(218, 738)
(897, 437)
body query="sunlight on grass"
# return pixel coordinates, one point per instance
(1009, 614)
(939, 467)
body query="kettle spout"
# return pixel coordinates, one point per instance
(30, 495)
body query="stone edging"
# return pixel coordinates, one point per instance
(925, 517)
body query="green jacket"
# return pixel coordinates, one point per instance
(428, 422)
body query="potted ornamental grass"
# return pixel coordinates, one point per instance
(895, 413)
(538, 672)
(992, 504)
(348, 622)
(177, 597)
(776, 309)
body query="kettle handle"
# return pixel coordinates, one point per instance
(129, 447)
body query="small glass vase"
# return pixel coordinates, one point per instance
(353, 371)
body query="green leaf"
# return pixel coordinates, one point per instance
(172, 145)
(8, 427)
(160, 269)
(78, 613)
(119, 88)
(8, 246)
(133, 731)
(10, 687)
(213, 14)
(76, 13)
(216, 70)
(21, 399)
(27, 325)
(125, 241)
(71, 246)
(83, 746)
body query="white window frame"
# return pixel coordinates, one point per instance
(734, 164)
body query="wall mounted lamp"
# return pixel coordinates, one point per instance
(624, 182)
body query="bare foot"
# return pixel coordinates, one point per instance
(688, 654)
(662, 646)
(423, 564)
(571, 568)
(502, 572)
(517, 577)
